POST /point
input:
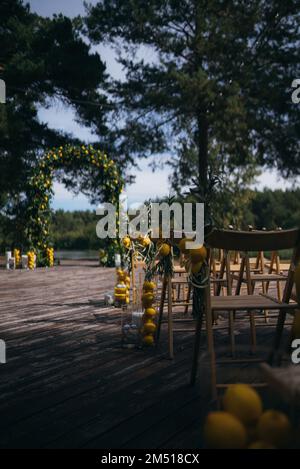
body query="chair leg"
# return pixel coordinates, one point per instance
(278, 336)
(186, 308)
(253, 331)
(170, 320)
(266, 312)
(196, 348)
(231, 332)
(161, 308)
(211, 350)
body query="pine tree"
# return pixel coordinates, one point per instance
(220, 73)
(41, 60)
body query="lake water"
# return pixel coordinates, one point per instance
(76, 255)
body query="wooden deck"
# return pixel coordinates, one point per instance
(68, 383)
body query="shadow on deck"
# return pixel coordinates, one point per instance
(67, 382)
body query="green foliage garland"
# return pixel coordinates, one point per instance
(71, 159)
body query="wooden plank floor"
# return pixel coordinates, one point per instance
(68, 383)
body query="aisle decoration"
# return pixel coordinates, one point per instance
(17, 256)
(50, 257)
(136, 248)
(159, 263)
(122, 288)
(150, 313)
(31, 260)
(196, 265)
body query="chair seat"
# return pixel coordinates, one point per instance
(283, 266)
(180, 280)
(264, 277)
(236, 268)
(268, 277)
(248, 302)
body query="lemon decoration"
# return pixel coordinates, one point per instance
(50, 257)
(149, 286)
(31, 260)
(224, 431)
(148, 339)
(164, 250)
(149, 327)
(198, 254)
(126, 242)
(17, 256)
(243, 402)
(122, 288)
(147, 299)
(274, 428)
(146, 241)
(150, 313)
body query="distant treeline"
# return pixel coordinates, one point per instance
(272, 209)
(77, 230)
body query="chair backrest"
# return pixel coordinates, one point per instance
(245, 241)
(231, 240)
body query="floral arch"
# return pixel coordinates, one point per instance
(89, 166)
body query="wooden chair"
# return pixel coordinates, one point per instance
(246, 241)
(260, 274)
(167, 296)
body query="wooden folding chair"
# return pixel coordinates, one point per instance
(246, 241)
(167, 295)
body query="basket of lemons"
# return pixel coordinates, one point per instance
(244, 424)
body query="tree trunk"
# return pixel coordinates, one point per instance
(202, 152)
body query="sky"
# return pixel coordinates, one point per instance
(147, 184)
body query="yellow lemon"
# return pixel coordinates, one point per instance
(261, 445)
(195, 269)
(121, 276)
(150, 313)
(149, 286)
(147, 299)
(148, 339)
(274, 428)
(120, 290)
(243, 402)
(146, 242)
(148, 296)
(120, 296)
(224, 431)
(164, 250)
(198, 254)
(126, 242)
(149, 327)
